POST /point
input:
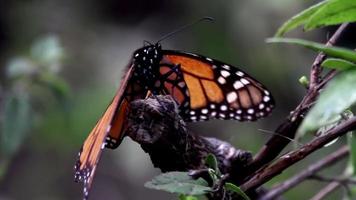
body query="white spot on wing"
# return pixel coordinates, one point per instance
(222, 115)
(226, 67)
(238, 85)
(261, 106)
(237, 117)
(244, 81)
(266, 98)
(225, 73)
(231, 97)
(181, 84)
(223, 107)
(239, 73)
(108, 128)
(221, 80)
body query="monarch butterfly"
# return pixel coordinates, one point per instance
(204, 89)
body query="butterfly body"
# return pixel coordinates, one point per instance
(146, 66)
(203, 88)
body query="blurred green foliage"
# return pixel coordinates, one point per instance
(29, 77)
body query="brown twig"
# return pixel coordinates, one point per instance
(288, 128)
(326, 190)
(342, 180)
(307, 173)
(289, 159)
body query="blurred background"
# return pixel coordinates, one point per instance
(61, 62)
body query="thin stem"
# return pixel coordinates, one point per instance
(341, 180)
(307, 173)
(316, 67)
(326, 191)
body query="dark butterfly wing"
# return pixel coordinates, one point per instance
(112, 122)
(132, 92)
(206, 88)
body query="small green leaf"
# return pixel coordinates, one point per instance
(299, 19)
(185, 197)
(304, 81)
(333, 12)
(339, 64)
(179, 182)
(339, 95)
(237, 190)
(212, 163)
(336, 52)
(16, 123)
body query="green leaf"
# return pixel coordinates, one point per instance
(16, 123)
(179, 182)
(212, 163)
(339, 64)
(333, 12)
(185, 197)
(339, 95)
(237, 190)
(299, 19)
(336, 52)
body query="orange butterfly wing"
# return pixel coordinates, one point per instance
(112, 122)
(206, 88)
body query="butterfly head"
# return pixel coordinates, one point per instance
(148, 55)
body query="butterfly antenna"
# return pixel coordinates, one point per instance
(185, 27)
(282, 136)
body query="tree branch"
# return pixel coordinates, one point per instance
(307, 173)
(156, 125)
(289, 159)
(288, 128)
